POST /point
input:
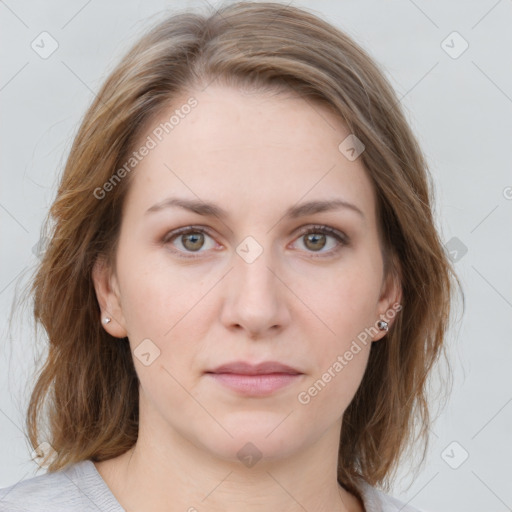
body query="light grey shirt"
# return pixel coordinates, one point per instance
(80, 488)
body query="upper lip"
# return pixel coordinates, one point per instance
(244, 368)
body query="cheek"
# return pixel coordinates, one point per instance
(329, 392)
(167, 305)
(342, 300)
(155, 294)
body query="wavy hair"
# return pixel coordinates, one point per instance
(88, 380)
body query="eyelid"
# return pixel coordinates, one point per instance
(323, 228)
(186, 229)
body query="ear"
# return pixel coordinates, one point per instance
(109, 298)
(390, 298)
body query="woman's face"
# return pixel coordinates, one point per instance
(249, 285)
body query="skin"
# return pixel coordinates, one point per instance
(254, 155)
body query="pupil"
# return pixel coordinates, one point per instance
(315, 237)
(190, 237)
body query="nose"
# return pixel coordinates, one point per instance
(256, 298)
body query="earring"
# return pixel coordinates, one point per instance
(382, 325)
(106, 320)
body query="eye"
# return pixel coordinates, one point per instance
(315, 239)
(192, 240)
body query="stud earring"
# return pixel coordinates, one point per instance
(106, 320)
(382, 325)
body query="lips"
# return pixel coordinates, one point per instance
(254, 380)
(265, 368)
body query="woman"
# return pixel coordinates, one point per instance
(244, 290)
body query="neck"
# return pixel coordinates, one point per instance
(181, 476)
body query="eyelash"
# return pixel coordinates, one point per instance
(318, 228)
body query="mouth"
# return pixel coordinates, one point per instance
(255, 380)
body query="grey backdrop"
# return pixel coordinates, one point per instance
(451, 65)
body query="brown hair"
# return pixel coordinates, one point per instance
(88, 380)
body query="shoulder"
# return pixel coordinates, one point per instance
(76, 488)
(377, 501)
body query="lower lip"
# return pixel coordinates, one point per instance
(255, 385)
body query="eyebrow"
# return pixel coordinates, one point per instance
(213, 210)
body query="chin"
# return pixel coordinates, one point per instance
(255, 440)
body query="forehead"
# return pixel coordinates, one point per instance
(248, 150)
